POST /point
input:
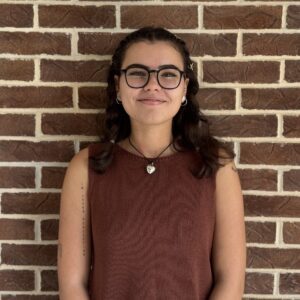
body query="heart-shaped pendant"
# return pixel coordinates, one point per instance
(150, 168)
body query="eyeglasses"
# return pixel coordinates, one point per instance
(137, 76)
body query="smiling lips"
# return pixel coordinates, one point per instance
(151, 101)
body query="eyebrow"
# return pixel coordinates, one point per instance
(148, 68)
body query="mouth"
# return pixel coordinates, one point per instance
(151, 101)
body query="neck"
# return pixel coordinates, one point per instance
(151, 142)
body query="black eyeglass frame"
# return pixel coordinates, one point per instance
(182, 74)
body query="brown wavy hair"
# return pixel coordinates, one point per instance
(190, 128)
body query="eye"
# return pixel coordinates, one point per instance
(136, 73)
(169, 73)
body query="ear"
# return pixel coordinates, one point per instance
(117, 83)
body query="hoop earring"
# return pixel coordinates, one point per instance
(118, 100)
(184, 101)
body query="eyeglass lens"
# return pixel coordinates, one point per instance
(167, 78)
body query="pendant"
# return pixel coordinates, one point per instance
(150, 168)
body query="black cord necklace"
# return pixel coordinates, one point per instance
(150, 168)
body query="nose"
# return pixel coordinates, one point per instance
(152, 83)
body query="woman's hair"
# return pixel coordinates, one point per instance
(190, 127)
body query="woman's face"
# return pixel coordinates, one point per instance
(151, 104)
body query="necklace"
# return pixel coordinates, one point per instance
(150, 168)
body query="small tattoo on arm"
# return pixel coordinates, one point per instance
(83, 222)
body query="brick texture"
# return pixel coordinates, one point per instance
(260, 232)
(35, 97)
(12, 15)
(293, 16)
(17, 177)
(18, 125)
(54, 57)
(37, 255)
(19, 229)
(170, 17)
(73, 71)
(243, 72)
(244, 17)
(279, 99)
(22, 70)
(291, 180)
(213, 98)
(291, 232)
(35, 43)
(259, 283)
(16, 280)
(52, 177)
(61, 16)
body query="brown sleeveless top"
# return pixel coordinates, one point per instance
(151, 234)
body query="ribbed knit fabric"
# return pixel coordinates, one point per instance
(152, 234)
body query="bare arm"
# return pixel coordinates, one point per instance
(229, 250)
(74, 231)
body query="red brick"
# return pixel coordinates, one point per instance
(16, 15)
(36, 255)
(63, 124)
(291, 232)
(242, 72)
(292, 71)
(270, 153)
(211, 44)
(30, 203)
(281, 98)
(17, 125)
(49, 280)
(214, 98)
(291, 126)
(272, 206)
(74, 71)
(258, 179)
(92, 97)
(16, 229)
(35, 43)
(16, 69)
(293, 16)
(49, 229)
(291, 180)
(273, 258)
(103, 43)
(61, 16)
(42, 151)
(271, 44)
(289, 283)
(243, 126)
(260, 232)
(17, 177)
(52, 177)
(242, 17)
(16, 280)
(259, 283)
(30, 297)
(35, 97)
(171, 17)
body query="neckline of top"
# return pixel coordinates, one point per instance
(121, 149)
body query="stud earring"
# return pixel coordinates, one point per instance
(118, 100)
(184, 101)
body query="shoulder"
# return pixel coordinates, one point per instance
(227, 174)
(77, 170)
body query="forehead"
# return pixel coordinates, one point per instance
(152, 54)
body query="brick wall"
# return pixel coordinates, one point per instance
(53, 59)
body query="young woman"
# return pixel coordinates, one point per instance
(154, 210)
